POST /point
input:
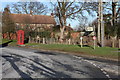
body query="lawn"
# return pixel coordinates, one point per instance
(13, 42)
(4, 41)
(106, 52)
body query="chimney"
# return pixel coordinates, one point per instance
(31, 12)
(52, 15)
(69, 25)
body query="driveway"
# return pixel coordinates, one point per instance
(27, 63)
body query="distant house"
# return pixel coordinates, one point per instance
(75, 35)
(31, 22)
(41, 22)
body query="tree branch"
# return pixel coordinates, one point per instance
(74, 12)
(69, 5)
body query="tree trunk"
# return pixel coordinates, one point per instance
(114, 23)
(119, 43)
(69, 41)
(9, 36)
(43, 40)
(62, 33)
(39, 40)
(113, 41)
(29, 39)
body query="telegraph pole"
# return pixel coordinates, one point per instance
(102, 23)
(98, 33)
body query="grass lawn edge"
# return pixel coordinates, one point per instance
(73, 53)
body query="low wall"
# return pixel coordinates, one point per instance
(12, 36)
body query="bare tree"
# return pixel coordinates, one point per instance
(113, 29)
(8, 25)
(33, 8)
(37, 8)
(82, 24)
(71, 10)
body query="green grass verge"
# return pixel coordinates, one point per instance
(6, 40)
(13, 43)
(107, 52)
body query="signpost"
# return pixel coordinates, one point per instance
(89, 28)
(94, 38)
(81, 38)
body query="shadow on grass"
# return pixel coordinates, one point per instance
(5, 44)
(99, 44)
(86, 46)
(118, 49)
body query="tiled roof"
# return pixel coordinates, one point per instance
(32, 19)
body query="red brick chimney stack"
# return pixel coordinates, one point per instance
(52, 15)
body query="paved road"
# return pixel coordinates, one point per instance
(26, 63)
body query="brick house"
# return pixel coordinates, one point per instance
(33, 21)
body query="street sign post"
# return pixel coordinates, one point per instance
(89, 29)
(81, 38)
(94, 38)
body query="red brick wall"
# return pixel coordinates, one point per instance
(75, 35)
(12, 36)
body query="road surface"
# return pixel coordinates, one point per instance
(27, 63)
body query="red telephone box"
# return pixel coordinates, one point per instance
(20, 37)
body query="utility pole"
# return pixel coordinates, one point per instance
(98, 33)
(101, 24)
